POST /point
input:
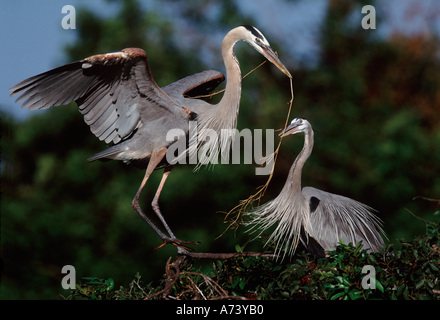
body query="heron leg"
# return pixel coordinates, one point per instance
(155, 159)
(155, 203)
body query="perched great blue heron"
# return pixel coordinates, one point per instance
(317, 218)
(123, 105)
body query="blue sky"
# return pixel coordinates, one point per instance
(32, 38)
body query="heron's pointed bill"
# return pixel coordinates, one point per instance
(290, 129)
(273, 57)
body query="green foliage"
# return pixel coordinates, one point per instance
(95, 289)
(410, 272)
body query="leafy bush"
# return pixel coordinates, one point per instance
(407, 271)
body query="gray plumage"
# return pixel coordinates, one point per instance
(123, 105)
(317, 218)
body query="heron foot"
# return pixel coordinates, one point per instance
(176, 242)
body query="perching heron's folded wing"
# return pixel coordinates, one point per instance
(115, 92)
(334, 217)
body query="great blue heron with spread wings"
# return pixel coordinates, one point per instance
(317, 218)
(124, 106)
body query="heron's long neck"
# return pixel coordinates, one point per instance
(296, 170)
(229, 105)
(225, 114)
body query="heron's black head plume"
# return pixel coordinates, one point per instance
(254, 31)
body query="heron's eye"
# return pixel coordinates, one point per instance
(257, 40)
(300, 121)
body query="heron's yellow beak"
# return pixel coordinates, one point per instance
(290, 129)
(273, 57)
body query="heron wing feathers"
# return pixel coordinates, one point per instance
(337, 217)
(195, 85)
(48, 88)
(112, 91)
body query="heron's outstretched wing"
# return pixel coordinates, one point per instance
(334, 217)
(115, 92)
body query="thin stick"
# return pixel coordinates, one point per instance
(221, 91)
(427, 199)
(225, 256)
(172, 270)
(241, 208)
(425, 221)
(208, 281)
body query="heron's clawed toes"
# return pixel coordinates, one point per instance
(176, 242)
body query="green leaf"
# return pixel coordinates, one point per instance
(236, 280)
(242, 283)
(355, 294)
(338, 295)
(379, 286)
(420, 283)
(400, 289)
(406, 293)
(343, 280)
(110, 283)
(433, 267)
